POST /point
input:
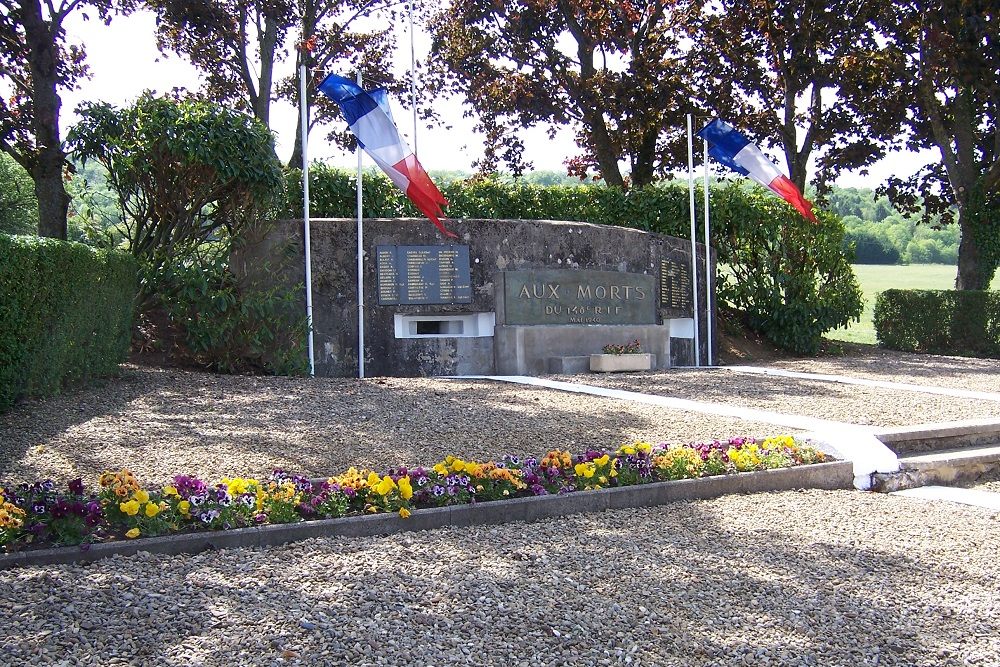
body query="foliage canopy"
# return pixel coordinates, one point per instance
(185, 172)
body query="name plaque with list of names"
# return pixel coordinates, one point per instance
(675, 285)
(409, 274)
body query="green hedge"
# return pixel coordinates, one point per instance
(965, 323)
(65, 314)
(787, 278)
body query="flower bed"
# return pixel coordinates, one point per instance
(40, 515)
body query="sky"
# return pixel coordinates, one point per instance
(124, 61)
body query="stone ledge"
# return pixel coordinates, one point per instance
(934, 437)
(939, 469)
(833, 475)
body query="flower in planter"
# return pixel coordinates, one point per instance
(11, 519)
(41, 513)
(629, 348)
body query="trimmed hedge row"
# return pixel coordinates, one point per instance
(965, 323)
(65, 314)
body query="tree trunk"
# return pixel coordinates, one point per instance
(972, 273)
(53, 202)
(43, 62)
(642, 161)
(295, 162)
(607, 159)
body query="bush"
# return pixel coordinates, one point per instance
(789, 279)
(228, 327)
(963, 323)
(18, 206)
(185, 173)
(65, 314)
(870, 248)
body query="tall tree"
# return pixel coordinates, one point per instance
(35, 63)
(801, 75)
(239, 45)
(947, 84)
(616, 72)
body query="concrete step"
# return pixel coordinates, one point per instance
(926, 438)
(955, 466)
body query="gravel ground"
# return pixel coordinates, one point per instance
(795, 578)
(852, 404)
(163, 422)
(928, 369)
(989, 482)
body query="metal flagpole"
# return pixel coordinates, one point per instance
(305, 209)
(694, 247)
(413, 78)
(361, 272)
(708, 261)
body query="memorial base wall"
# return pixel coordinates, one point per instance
(526, 350)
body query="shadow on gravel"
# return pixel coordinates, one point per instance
(161, 423)
(35, 422)
(673, 585)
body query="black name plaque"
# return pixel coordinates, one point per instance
(422, 274)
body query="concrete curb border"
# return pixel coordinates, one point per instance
(828, 476)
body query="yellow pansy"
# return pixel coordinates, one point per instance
(458, 465)
(385, 486)
(141, 496)
(403, 512)
(405, 488)
(441, 469)
(373, 480)
(170, 491)
(132, 533)
(131, 507)
(152, 509)
(183, 507)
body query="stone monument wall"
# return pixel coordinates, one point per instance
(507, 296)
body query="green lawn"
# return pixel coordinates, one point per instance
(876, 278)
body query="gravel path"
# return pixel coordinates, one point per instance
(852, 404)
(164, 422)
(878, 364)
(795, 578)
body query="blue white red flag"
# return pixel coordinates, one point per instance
(370, 120)
(738, 153)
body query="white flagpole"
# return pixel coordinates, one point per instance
(361, 272)
(694, 247)
(413, 77)
(303, 103)
(708, 260)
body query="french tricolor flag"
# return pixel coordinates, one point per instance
(370, 120)
(737, 152)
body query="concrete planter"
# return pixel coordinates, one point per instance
(615, 363)
(833, 475)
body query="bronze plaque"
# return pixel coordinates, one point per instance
(579, 297)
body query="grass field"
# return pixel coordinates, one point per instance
(876, 278)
